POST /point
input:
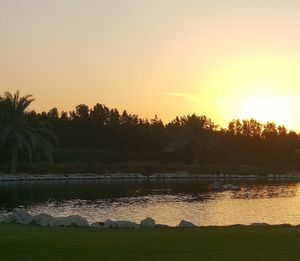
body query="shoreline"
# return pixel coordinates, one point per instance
(22, 217)
(137, 176)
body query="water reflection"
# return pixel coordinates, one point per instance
(166, 201)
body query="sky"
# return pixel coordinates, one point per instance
(223, 59)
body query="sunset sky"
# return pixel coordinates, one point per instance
(223, 58)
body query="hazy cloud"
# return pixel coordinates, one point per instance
(196, 97)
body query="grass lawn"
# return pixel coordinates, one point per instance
(19, 242)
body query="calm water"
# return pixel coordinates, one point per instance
(166, 201)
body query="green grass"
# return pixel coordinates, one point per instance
(19, 242)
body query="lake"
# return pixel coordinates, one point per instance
(167, 201)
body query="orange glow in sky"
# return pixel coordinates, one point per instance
(225, 59)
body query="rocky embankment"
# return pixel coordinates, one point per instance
(20, 216)
(177, 175)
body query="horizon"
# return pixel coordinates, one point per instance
(219, 127)
(171, 58)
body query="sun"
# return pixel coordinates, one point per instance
(268, 108)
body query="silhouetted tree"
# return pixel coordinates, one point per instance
(16, 134)
(195, 132)
(103, 134)
(53, 113)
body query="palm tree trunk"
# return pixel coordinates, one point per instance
(14, 160)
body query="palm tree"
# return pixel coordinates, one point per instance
(194, 132)
(17, 134)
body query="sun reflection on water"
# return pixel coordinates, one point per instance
(166, 202)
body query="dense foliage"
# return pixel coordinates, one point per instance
(101, 135)
(18, 135)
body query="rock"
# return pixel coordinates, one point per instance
(216, 185)
(185, 224)
(20, 216)
(221, 175)
(148, 223)
(161, 226)
(283, 225)
(259, 225)
(109, 224)
(252, 176)
(4, 216)
(8, 219)
(235, 187)
(70, 221)
(126, 224)
(231, 187)
(97, 225)
(43, 220)
(3, 213)
(226, 187)
(5, 219)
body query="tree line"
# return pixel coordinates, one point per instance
(101, 133)
(191, 138)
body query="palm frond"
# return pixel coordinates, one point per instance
(23, 103)
(17, 134)
(8, 96)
